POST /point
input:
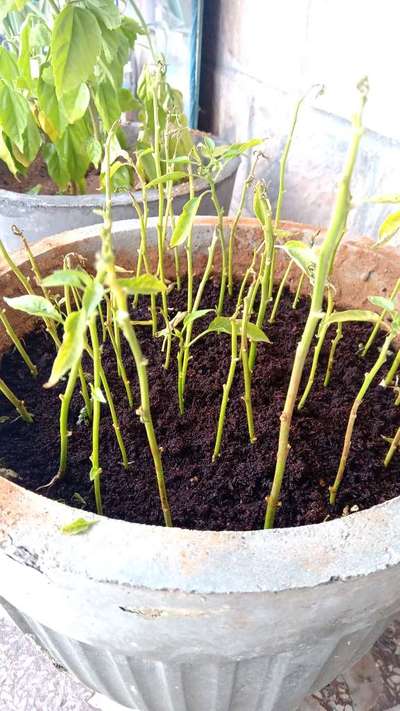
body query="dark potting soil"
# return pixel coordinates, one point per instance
(230, 493)
(37, 175)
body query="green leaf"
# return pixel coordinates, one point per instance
(303, 255)
(72, 346)
(127, 101)
(80, 525)
(14, 112)
(34, 306)
(75, 47)
(71, 149)
(67, 277)
(32, 140)
(76, 102)
(167, 178)
(52, 117)
(145, 284)
(194, 315)
(24, 56)
(56, 166)
(92, 297)
(184, 223)
(131, 29)
(389, 227)
(382, 302)
(351, 315)
(106, 11)
(94, 151)
(6, 155)
(8, 67)
(107, 103)
(223, 324)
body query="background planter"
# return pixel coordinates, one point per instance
(175, 620)
(44, 215)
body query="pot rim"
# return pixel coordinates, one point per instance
(96, 200)
(158, 558)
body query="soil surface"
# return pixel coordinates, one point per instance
(38, 176)
(230, 493)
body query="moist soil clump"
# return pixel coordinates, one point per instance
(229, 493)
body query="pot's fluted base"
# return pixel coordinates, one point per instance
(264, 683)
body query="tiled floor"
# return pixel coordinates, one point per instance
(29, 680)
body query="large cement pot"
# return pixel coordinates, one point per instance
(176, 620)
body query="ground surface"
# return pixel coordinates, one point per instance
(29, 681)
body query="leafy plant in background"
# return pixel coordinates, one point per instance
(61, 89)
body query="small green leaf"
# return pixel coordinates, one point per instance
(185, 221)
(351, 315)
(75, 47)
(92, 297)
(382, 302)
(261, 205)
(127, 101)
(394, 198)
(97, 394)
(67, 277)
(236, 149)
(72, 346)
(14, 112)
(6, 155)
(303, 255)
(389, 227)
(146, 284)
(168, 177)
(34, 306)
(194, 315)
(106, 11)
(80, 525)
(223, 324)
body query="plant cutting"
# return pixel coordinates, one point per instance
(199, 429)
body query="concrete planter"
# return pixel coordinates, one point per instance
(44, 215)
(177, 620)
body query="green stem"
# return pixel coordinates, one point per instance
(298, 291)
(369, 377)
(129, 333)
(18, 404)
(392, 449)
(393, 370)
(227, 388)
(378, 324)
(188, 333)
(280, 292)
(220, 231)
(95, 472)
(84, 388)
(338, 219)
(118, 355)
(232, 236)
(189, 248)
(64, 412)
(114, 417)
(17, 343)
(245, 364)
(266, 276)
(334, 344)
(317, 352)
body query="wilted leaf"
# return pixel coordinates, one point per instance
(261, 205)
(92, 297)
(80, 525)
(97, 394)
(303, 255)
(194, 315)
(236, 149)
(34, 306)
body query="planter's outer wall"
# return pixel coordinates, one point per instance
(40, 216)
(173, 620)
